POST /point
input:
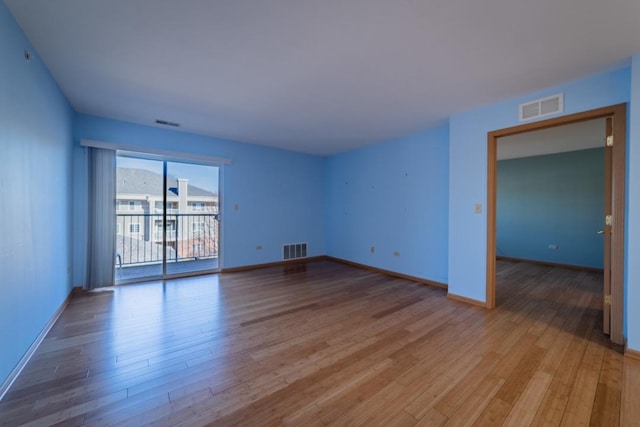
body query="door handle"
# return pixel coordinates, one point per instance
(600, 231)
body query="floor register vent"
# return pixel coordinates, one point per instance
(294, 251)
(542, 107)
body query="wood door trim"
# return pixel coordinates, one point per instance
(618, 176)
(465, 300)
(608, 163)
(619, 114)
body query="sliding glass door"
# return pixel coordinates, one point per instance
(192, 218)
(139, 187)
(167, 216)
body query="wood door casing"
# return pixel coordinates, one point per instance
(608, 159)
(618, 172)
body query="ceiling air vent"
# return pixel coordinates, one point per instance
(542, 107)
(167, 123)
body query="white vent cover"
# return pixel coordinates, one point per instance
(295, 250)
(542, 107)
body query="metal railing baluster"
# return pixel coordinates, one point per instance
(194, 236)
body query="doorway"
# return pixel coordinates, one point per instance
(612, 224)
(167, 219)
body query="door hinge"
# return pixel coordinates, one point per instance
(608, 220)
(607, 299)
(610, 141)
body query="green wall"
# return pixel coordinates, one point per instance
(555, 199)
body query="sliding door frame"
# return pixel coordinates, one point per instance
(191, 161)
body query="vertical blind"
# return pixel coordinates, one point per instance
(102, 217)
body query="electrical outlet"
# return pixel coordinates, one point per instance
(259, 248)
(396, 253)
(553, 246)
(373, 249)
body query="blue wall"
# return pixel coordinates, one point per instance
(468, 169)
(35, 189)
(553, 199)
(392, 196)
(279, 194)
(632, 276)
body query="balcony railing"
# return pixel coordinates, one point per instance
(189, 237)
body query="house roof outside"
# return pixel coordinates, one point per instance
(143, 181)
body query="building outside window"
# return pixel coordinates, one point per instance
(191, 227)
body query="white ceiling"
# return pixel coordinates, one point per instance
(559, 139)
(318, 76)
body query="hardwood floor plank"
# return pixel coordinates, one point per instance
(579, 407)
(630, 412)
(440, 385)
(522, 374)
(329, 344)
(121, 411)
(404, 304)
(494, 414)
(476, 402)
(467, 385)
(554, 404)
(525, 408)
(279, 314)
(609, 391)
(74, 411)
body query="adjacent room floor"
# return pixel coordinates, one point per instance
(329, 344)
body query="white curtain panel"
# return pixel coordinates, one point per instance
(102, 218)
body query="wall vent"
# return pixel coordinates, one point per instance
(294, 251)
(542, 107)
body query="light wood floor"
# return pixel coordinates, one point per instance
(328, 344)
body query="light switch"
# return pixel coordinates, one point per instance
(478, 208)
